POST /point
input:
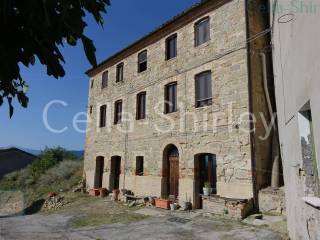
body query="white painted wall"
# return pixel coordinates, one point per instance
(297, 81)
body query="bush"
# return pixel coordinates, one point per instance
(48, 159)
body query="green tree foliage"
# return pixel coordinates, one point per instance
(48, 159)
(33, 29)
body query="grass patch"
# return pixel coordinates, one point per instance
(94, 220)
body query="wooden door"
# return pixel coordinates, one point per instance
(99, 172)
(174, 176)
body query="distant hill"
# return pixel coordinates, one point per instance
(78, 153)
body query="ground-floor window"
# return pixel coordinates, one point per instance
(139, 166)
(309, 161)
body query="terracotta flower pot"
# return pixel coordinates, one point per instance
(94, 192)
(103, 192)
(162, 203)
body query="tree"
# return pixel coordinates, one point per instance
(33, 29)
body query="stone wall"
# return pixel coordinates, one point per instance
(192, 130)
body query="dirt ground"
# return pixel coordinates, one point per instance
(95, 218)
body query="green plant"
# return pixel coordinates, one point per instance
(207, 185)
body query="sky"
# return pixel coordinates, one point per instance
(125, 22)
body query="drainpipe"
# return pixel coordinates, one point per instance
(275, 172)
(253, 160)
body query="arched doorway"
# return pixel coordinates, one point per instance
(98, 177)
(115, 171)
(205, 170)
(170, 184)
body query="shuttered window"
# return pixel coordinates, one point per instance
(202, 31)
(142, 61)
(171, 47)
(103, 111)
(171, 98)
(141, 105)
(203, 88)
(105, 76)
(117, 111)
(119, 74)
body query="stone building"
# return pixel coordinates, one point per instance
(296, 66)
(182, 106)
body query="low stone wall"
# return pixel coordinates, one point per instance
(272, 200)
(234, 208)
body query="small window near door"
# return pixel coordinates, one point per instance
(142, 61)
(309, 161)
(171, 47)
(170, 98)
(141, 105)
(202, 31)
(103, 111)
(139, 166)
(203, 88)
(117, 112)
(119, 77)
(105, 76)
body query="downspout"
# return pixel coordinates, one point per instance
(253, 160)
(275, 172)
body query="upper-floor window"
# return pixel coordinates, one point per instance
(142, 61)
(92, 83)
(202, 31)
(141, 105)
(117, 111)
(171, 47)
(119, 74)
(170, 98)
(203, 89)
(105, 76)
(103, 111)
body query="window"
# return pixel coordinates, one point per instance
(105, 76)
(90, 109)
(202, 31)
(171, 47)
(203, 89)
(103, 111)
(92, 83)
(207, 170)
(171, 98)
(139, 166)
(117, 111)
(141, 105)
(119, 76)
(309, 161)
(142, 61)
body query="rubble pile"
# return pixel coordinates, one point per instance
(54, 202)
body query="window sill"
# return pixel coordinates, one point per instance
(168, 113)
(203, 107)
(171, 59)
(312, 201)
(203, 45)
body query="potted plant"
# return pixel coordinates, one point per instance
(207, 189)
(162, 203)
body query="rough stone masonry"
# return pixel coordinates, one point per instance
(221, 129)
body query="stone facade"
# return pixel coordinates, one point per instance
(221, 128)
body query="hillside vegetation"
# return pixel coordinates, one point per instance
(56, 170)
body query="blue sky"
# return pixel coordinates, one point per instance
(125, 22)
